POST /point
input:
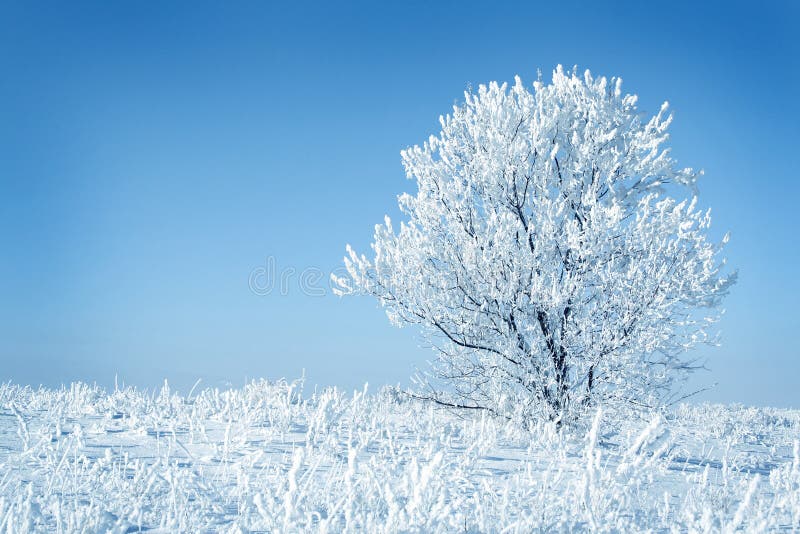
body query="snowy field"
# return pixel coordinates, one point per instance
(271, 457)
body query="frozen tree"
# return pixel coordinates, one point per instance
(548, 255)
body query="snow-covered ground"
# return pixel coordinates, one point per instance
(272, 457)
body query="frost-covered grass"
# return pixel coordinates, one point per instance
(271, 457)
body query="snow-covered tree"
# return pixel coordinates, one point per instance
(546, 256)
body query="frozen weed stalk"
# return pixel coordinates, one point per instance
(338, 462)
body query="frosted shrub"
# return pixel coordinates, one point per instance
(554, 254)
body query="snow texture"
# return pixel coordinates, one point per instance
(270, 457)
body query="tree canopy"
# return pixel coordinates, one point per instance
(553, 254)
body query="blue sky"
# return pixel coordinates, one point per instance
(156, 155)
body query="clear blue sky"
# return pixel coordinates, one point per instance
(154, 154)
